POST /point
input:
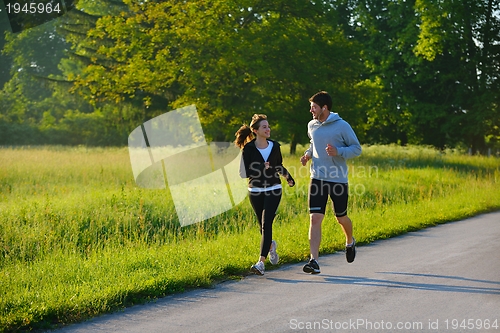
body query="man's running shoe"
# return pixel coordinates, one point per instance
(273, 256)
(258, 268)
(311, 267)
(350, 251)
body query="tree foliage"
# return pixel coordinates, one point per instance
(404, 71)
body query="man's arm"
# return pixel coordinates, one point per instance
(352, 146)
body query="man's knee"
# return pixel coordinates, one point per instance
(316, 219)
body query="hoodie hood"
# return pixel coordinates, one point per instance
(332, 117)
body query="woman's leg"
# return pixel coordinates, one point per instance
(257, 202)
(271, 202)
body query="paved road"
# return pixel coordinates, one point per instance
(426, 281)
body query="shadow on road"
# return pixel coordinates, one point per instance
(386, 283)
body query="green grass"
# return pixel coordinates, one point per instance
(78, 238)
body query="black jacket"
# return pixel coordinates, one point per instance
(254, 169)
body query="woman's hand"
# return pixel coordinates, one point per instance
(304, 159)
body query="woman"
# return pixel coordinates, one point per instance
(262, 165)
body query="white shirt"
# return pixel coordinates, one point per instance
(265, 152)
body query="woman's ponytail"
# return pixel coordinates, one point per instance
(243, 136)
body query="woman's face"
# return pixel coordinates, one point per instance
(264, 129)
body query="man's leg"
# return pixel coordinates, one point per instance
(340, 198)
(346, 224)
(315, 234)
(317, 204)
(350, 249)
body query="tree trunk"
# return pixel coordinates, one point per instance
(293, 145)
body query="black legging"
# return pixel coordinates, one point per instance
(265, 205)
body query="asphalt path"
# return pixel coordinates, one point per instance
(440, 279)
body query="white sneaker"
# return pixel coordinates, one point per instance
(258, 268)
(273, 256)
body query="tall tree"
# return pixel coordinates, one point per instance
(230, 58)
(387, 31)
(434, 62)
(5, 60)
(35, 55)
(458, 41)
(38, 94)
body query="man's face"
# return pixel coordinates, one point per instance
(317, 111)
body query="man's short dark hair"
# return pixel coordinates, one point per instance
(322, 98)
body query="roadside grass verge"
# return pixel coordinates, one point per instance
(78, 238)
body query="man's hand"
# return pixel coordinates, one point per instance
(331, 150)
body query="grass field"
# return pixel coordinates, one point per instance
(78, 238)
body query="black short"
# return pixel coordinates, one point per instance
(319, 191)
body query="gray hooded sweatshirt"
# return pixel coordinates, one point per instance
(337, 132)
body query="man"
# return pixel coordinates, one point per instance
(333, 141)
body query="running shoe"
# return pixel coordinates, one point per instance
(258, 268)
(273, 256)
(350, 251)
(311, 267)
